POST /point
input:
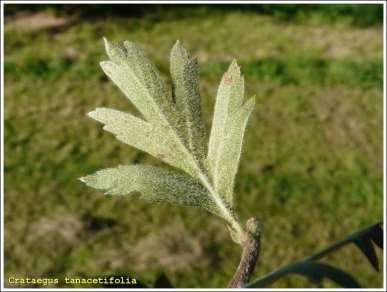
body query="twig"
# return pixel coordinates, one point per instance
(250, 254)
(370, 232)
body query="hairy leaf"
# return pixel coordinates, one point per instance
(140, 80)
(140, 134)
(171, 129)
(155, 184)
(184, 73)
(228, 126)
(137, 77)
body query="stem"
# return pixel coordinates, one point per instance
(250, 253)
(218, 201)
(274, 275)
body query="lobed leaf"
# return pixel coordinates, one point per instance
(143, 135)
(231, 150)
(141, 82)
(171, 129)
(228, 126)
(155, 184)
(184, 74)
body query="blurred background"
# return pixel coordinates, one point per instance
(311, 168)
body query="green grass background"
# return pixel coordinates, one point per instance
(311, 168)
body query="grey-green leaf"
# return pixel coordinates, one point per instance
(155, 184)
(184, 74)
(138, 78)
(228, 126)
(231, 150)
(171, 129)
(143, 135)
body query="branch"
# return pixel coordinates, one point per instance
(314, 270)
(250, 254)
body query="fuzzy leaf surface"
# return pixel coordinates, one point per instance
(155, 184)
(229, 123)
(140, 134)
(171, 129)
(184, 74)
(141, 82)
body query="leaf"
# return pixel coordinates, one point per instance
(171, 129)
(184, 73)
(232, 149)
(140, 81)
(314, 271)
(140, 134)
(228, 126)
(155, 184)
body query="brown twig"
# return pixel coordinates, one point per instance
(250, 254)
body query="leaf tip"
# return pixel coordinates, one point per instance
(251, 101)
(106, 43)
(107, 67)
(234, 67)
(88, 180)
(179, 51)
(83, 179)
(92, 114)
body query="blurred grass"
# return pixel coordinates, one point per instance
(312, 163)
